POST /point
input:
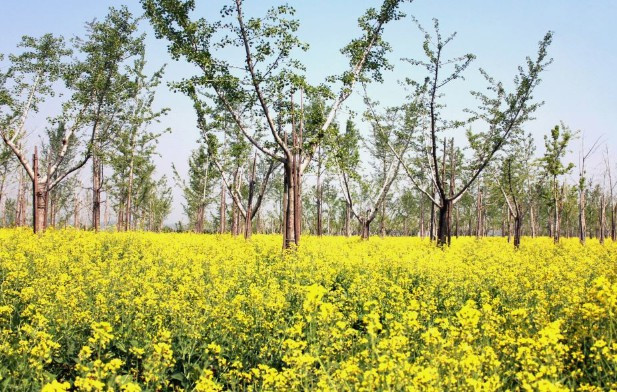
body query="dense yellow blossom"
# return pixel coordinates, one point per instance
(150, 312)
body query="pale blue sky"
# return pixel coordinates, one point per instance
(579, 88)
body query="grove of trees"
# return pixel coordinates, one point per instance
(277, 153)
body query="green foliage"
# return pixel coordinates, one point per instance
(556, 148)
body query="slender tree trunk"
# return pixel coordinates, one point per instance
(582, 222)
(319, 197)
(602, 218)
(97, 179)
(76, 210)
(129, 192)
(289, 237)
(557, 230)
(222, 210)
(248, 225)
(432, 226)
(422, 234)
(532, 221)
(518, 226)
(347, 220)
(382, 221)
(456, 223)
(52, 209)
(285, 207)
(480, 229)
(509, 226)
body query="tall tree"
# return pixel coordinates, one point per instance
(270, 73)
(101, 85)
(198, 188)
(556, 148)
(131, 149)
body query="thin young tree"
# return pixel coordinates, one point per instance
(582, 179)
(502, 113)
(101, 85)
(556, 148)
(516, 169)
(384, 128)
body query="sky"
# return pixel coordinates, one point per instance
(579, 88)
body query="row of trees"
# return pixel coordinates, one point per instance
(275, 154)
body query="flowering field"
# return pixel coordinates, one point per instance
(137, 311)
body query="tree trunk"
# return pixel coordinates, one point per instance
(557, 229)
(509, 226)
(480, 228)
(39, 198)
(518, 226)
(319, 197)
(289, 221)
(582, 222)
(76, 210)
(97, 174)
(347, 220)
(602, 218)
(52, 209)
(248, 225)
(223, 209)
(366, 227)
(422, 234)
(532, 221)
(432, 225)
(443, 228)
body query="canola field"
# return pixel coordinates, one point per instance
(170, 312)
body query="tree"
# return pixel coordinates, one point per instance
(269, 75)
(503, 113)
(516, 170)
(556, 147)
(32, 75)
(101, 85)
(383, 127)
(130, 151)
(583, 156)
(197, 190)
